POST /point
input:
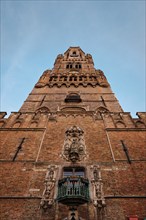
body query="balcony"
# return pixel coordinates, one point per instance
(73, 190)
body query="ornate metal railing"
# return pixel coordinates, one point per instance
(73, 190)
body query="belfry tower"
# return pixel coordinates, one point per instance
(71, 152)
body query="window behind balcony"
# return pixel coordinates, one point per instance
(74, 171)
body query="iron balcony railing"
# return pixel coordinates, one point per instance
(73, 190)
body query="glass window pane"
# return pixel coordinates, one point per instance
(74, 172)
(68, 172)
(79, 172)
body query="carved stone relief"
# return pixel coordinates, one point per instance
(74, 145)
(48, 194)
(98, 197)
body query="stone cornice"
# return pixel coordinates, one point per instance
(126, 129)
(22, 129)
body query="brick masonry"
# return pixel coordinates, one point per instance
(32, 143)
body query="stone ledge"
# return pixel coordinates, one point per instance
(22, 129)
(125, 129)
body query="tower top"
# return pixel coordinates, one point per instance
(74, 58)
(75, 68)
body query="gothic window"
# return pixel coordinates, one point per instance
(73, 97)
(34, 124)
(65, 78)
(55, 78)
(75, 78)
(69, 66)
(120, 124)
(17, 125)
(74, 53)
(85, 78)
(78, 66)
(2, 124)
(50, 78)
(140, 124)
(70, 78)
(74, 172)
(80, 78)
(61, 77)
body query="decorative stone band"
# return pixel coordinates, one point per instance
(75, 79)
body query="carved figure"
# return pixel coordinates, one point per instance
(98, 199)
(47, 198)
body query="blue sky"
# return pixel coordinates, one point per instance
(34, 32)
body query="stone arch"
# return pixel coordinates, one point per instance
(2, 124)
(120, 124)
(140, 124)
(33, 124)
(91, 84)
(43, 109)
(102, 109)
(17, 124)
(64, 84)
(73, 108)
(73, 97)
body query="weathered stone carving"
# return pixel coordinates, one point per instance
(47, 198)
(102, 79)
(98, 198)
(43, 79)
(52, 117)
(74, 145)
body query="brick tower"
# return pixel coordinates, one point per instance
(71, 152)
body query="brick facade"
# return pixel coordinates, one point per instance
(72, 122)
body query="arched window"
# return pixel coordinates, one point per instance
(74, 53)
(78, 66)
(69, 66)
(73, 97)
(17, 124)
